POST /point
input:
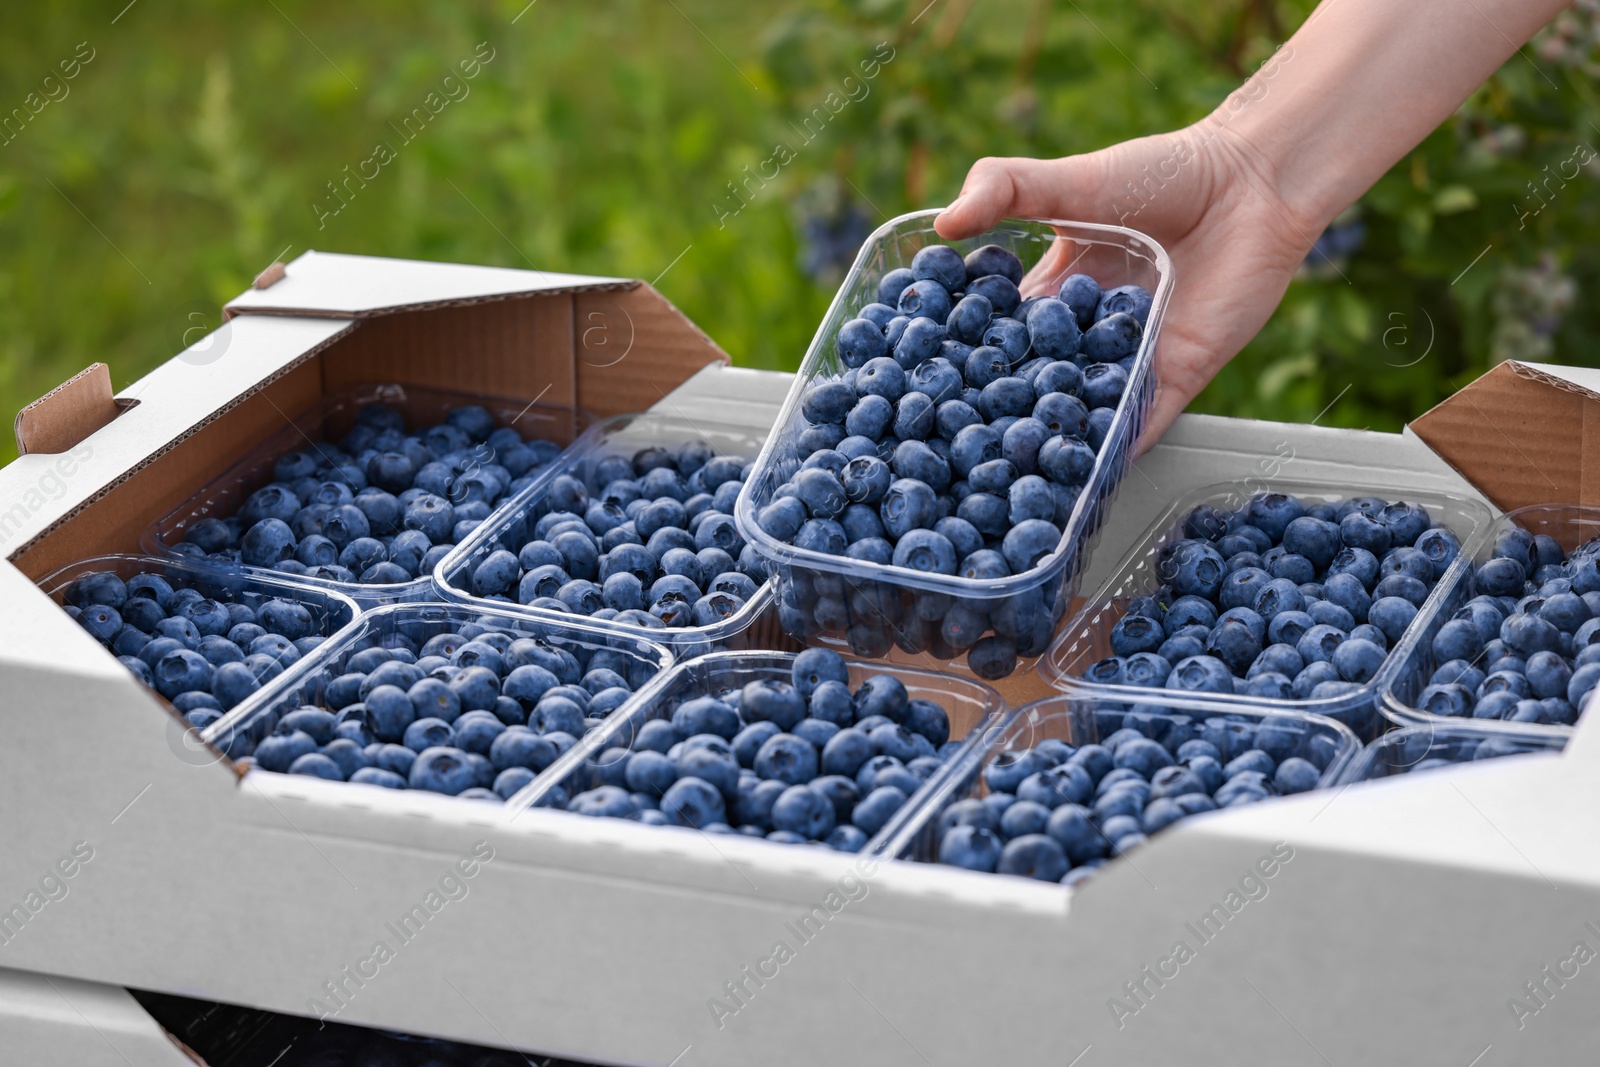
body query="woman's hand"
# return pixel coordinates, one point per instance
(1205, 196)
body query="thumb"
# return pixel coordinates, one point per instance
(997, 188)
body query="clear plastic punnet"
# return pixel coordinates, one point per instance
(1430, 746)
(974, 709)
(311, 682)
(331, 612)
(1079, 718)
(870, 606)
(1086, 638)
(1569, 525)
(623, 435)
(328, 421)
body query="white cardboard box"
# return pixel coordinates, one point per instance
(1410, 916)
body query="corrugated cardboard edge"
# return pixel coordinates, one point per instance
(68, 413)
(22, 549)
(1520, 435)
(230, 310)
(194, 1056)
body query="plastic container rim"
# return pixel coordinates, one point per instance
(1363, 763)
(373, 617)
(1403, 714)
(1393, 664)
(996, 715)
(590, 445)
(151, 542)
(956, 774)
(784, 554)
(56, 581)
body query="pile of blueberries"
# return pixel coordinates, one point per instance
(1524, 648)
(203, 649)
(649, 541)
(1281, 598)
(475, 711)
(1057, 812)
(802, 761)
(381, 507)
(956, 442)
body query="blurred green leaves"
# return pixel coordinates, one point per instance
(602, 138)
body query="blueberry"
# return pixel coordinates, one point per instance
(846, 752)
(693, 802)
(1202, 674)
(881, 694)
(442, 769)
(786, 758)
(877, 808)
(925, 298)
(985, 365)
(827, 536)
(908, 505)
(859, 340)
(1500, 577)
(938, 378)
(993, 259)
(969, 319)
(1066, 783)
(975, 848)
(919, 341)
(893, 284)
(1125, 299)
(999, 290)
(926, 551)
(1113, 338)
(943, 264)
(1103, 385)
(1006, 397)
(1028, 542)
(1034, 856)
(1527, 634)
(1136, 633)
(1405, 522)
(1393, 616)
(803, 810)
(1053, 329)
(1008, 335)
(1193, 568)
(870, 417)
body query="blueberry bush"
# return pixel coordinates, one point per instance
(738, 154)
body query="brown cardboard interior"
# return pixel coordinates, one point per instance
(1521, 435)
(608, 352)
(68, 413)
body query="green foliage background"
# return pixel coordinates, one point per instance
(602, 138)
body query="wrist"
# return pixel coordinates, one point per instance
(1255, 169)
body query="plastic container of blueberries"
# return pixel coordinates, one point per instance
(330, 420)
(227, 583)
(1079, 717)
(1087, 636)
(619, 435)
(1399, 751)
(1569, 524)
(237, 733)
(976, 711)
(332, 611)
(1113, 255)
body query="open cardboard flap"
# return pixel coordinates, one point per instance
(328, 323)
(1522, 434)
(345, 286)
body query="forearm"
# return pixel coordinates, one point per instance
(1360, 84)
